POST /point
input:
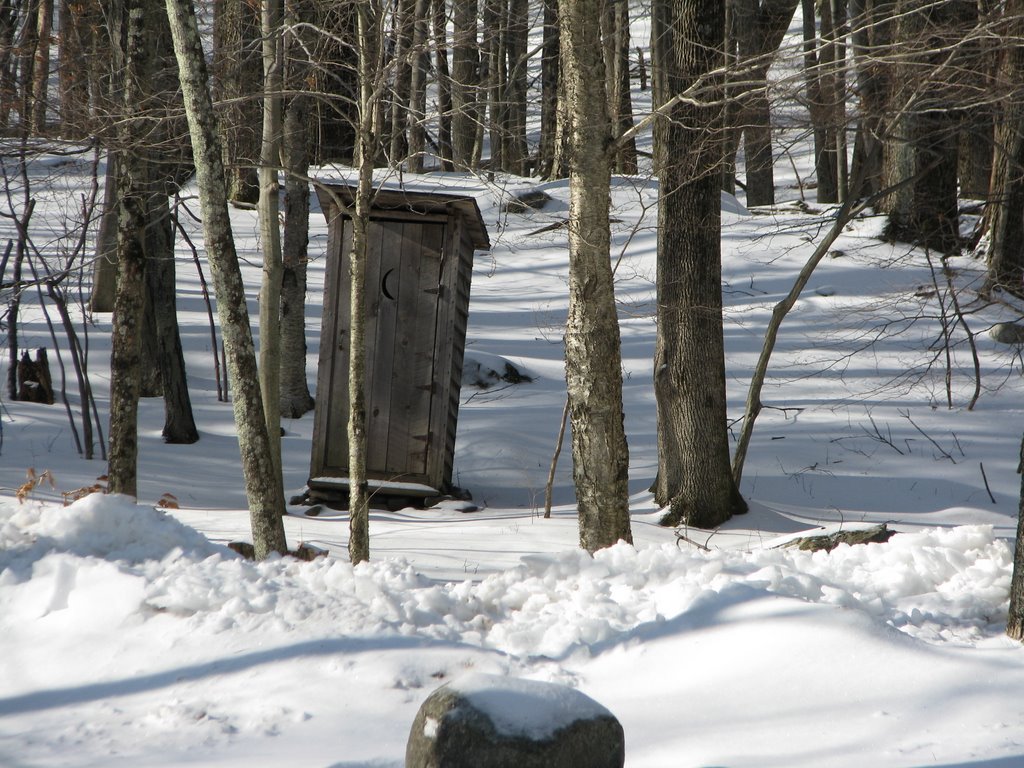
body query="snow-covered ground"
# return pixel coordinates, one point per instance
(133, 636)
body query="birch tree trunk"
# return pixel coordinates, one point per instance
(593, 366)
(262, 482)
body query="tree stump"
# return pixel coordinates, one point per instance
(34, 383)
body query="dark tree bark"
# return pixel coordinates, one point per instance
(237, 81)
(465, 82)
(516, 32)
(1005, 210)
(444, 83)
(133, 191)
(336, 55)
(820, 75)
(593, 367)
(398, 105)
(492, 79)
(1015, 618)
(416, 115)
(615, 32)
(550, 69)
(694, 477)
(104, 271)
(871, 24)
(78, 23)
(179, 423)
(758, 27)
(41, 67)
(920, 151)
(9, 14)
(295, 398)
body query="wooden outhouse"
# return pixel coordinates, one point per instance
(418, 269)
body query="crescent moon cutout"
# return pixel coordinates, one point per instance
(384, 285)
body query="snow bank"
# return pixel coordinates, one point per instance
(122, 559)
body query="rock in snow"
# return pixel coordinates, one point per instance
(488, 721)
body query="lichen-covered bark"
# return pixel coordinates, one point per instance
(262, 483)
(592, 347)
(133, 184)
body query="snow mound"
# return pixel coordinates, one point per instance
(110, 527)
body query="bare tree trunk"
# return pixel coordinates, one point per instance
(492, 79)
(515, 88)
(620, 98)
(41, 67)
(1005, 210)
(921, 141)
(104, 270)
(179, 422)
(871, 22)
(694, 477)
(465, 82)
(759, 26)
(76, 21)
(550, 66)
(262, 481)
(133, 190)
(9, 14)
(592, 346)
(336, 55)
(370, 69)
(398, 106)
(444, 84)
(819, 96)
(1015, 618)
(416, 134)
(270, 229)
(296, 136)
(236, 83)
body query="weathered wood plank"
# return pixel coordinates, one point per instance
(411, 436)
(448, 282)
(382, 323)
(330, 447)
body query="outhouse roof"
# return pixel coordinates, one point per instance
(424, 194)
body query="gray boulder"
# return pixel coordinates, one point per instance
(486, 721)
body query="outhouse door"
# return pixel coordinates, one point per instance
(407, 306)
